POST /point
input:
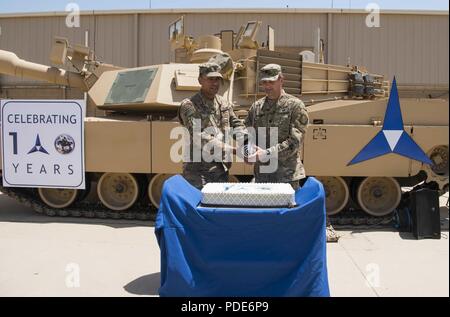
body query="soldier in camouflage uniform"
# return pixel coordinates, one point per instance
(287, 113)
(215, 115)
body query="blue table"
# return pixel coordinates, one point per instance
(237, 252)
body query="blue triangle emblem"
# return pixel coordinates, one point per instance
(393, 137)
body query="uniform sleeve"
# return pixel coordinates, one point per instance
(299, 123)
(188, 118)
(249, 120)
(186, 113)
(235, 122)
(239, 129)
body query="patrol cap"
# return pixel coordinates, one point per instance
(270, 72)
(210, 70)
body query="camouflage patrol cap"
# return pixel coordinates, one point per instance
(270, 72)
(210, 70)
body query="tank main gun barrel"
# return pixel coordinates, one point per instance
(12, 65)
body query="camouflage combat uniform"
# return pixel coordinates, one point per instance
(217, 115)
(289, 115)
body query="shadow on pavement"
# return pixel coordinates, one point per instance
(12, 211)
(145, 285)
(444, 212)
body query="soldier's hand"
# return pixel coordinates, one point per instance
(246, 160)
(258, 155)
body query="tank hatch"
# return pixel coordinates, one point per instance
(131, 87)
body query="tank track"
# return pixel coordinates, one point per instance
(80, 209)
(357, 218)
(348, 218)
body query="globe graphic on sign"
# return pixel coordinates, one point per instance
(64, 144)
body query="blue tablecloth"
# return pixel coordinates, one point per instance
(235, 252)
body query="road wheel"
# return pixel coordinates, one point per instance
(155, 188)
(336, 192)
(378, 196)
(58, 197)
(118, 191)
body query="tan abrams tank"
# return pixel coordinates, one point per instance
(131, 112)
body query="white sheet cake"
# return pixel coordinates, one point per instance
(248, 194)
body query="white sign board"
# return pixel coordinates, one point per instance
(43, 143)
